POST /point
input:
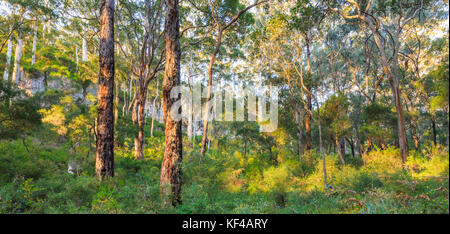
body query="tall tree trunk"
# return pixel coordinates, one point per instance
(352, 146)
(173, 154)
(153, 117)
(33, 58)
(8, 57)
(343, 146)
(124, 107)
(324, 168)
(403, 143)
(139, 138)
(309, 100)
(208, 97)
(18, 56)
(194, 129)
(339, 150)
(84, 56)
(104, 165)
(135, 119)
(220, 30)
(76, 58)
(414, 133)
(299, 120)
(393, 75)
(154, 107)
(117, 84)
(433, 126)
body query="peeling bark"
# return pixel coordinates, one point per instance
(173, 154)
(104, 165)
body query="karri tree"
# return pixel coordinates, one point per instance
(104, 165)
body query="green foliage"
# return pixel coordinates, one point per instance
(244, 170)
(38, 182)
(334, 115)
(105, 201)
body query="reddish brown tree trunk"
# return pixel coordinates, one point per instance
(104, 165)
(173, 154)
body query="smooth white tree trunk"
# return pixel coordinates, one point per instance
(17, 58)
(85, 53)
(33, 58)
(8, 59)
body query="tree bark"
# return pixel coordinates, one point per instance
(84, 56)
(116, 104)
(18, 57)
(208, 97)
(324, 168)
(171, 166)
(414, 133)
(104, 165)
(352, 146)
(433, 126)
(33, 58)
(8, 58)
(124, 107)
(116, 100)
(300, 146)
(338, 149)
(309, 100)
(139, 138)
(19, 47)
(392, 73)
(221, 29)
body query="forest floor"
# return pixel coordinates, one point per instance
(35, 179)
